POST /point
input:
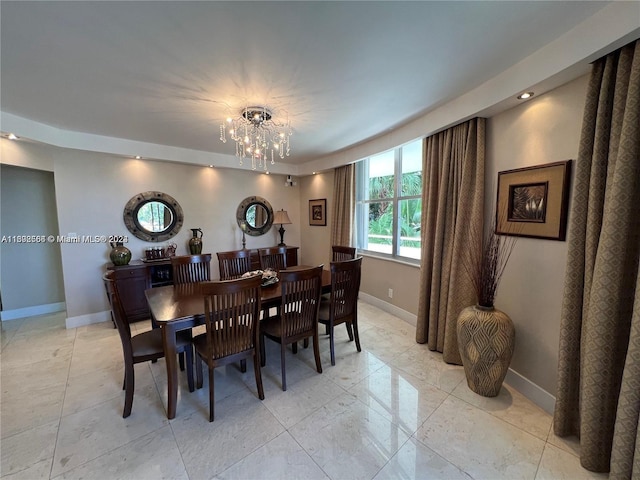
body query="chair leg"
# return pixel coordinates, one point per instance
(189, 356)
(211, 399)
(316, 352)
(129, 380)
(284, 374)
(258, 372)
(263, 352)
(349, 331)
(294, 347)
(306, 343)
(326, 329)
(332, 346)
(181, 361)
(199, 379)
(356, 333)
(243, 366)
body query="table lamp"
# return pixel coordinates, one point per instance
(282, 218)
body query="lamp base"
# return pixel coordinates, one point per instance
(281, 230)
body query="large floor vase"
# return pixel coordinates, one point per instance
(485, 338)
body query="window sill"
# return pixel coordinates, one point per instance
(408, 263)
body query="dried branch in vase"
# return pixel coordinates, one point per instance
(485, 264)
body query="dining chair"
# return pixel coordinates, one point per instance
(341, 253)
(107, 278)
(232, 316)
(143, 347)
(342, 306)
(191, 268)
(297, 318)
(274, 258)
(233, 264)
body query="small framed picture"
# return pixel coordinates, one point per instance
(318, 212)
(532, 201)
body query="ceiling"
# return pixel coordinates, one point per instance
(168, 73)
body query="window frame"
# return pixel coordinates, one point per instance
(363, 201)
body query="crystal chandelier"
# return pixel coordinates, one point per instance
(257, 136)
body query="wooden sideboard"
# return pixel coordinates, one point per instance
(136, 277)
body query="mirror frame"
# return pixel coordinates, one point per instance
(241, 215)
(132, 207)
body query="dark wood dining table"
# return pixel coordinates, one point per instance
(181, 307)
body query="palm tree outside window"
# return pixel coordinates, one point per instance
(389, 203)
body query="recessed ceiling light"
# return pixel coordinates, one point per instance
(12, 136)
(138, 157)
(210, 166)
(525, 95)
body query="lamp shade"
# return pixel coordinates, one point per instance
(281, 217)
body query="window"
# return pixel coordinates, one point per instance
(389, 202)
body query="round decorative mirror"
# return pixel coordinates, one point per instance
(153, 216)
(254, 216)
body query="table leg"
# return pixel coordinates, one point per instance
(169, 341)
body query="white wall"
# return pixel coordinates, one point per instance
(543, 130)
(92, 190)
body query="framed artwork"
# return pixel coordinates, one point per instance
(318, 212)
(533, 201)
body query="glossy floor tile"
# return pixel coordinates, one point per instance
(393, 411)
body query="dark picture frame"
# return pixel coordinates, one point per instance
(533, 201)
(318, 212)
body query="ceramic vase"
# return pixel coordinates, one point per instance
(120, 255)
(486, 338)
(195, 242)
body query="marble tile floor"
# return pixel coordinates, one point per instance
(393, 411)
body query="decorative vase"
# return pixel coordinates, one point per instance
(486, 338)
(120, 255)
(195, 242)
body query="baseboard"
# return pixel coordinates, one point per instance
(32, 311)
(82, 320)
(533, 392)
(526, 387)
(408, 317)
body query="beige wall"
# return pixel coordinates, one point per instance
(30, 272)
(543, 130)
(92, 190)
(315, 239)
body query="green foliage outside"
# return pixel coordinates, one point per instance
(381, 213)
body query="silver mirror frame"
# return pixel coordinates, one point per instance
(241, 216)
(132, 207)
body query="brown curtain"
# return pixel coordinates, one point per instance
(343, 205)
(452, 208)
(598, 395)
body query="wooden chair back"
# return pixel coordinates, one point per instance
(233, 264)
(342, 306)
(232, 315)
(109, 286)
(274, 258)
(345, 285)
(191, 268)
(341, 253)
(301, 290)
(120, 319)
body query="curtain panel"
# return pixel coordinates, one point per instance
(452, 209)
(343, 205)
(598, 394)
